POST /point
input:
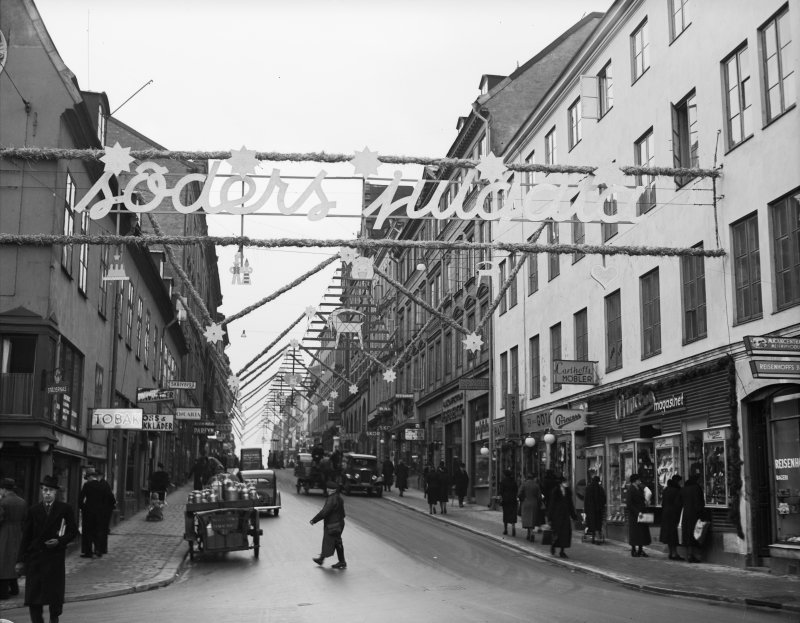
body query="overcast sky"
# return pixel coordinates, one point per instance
(298, 76)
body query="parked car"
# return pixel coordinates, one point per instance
(360, 472)
(269, 498)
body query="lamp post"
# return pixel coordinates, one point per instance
(549, 439)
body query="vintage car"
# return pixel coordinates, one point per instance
(269, 498)
(360, 472)
(309, 474)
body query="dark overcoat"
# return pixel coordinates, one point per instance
(44, 566)
(561, 512)
(693, 509)
(594, 505)
(444, 484)
(670, 514)
(332, 515)
(402, 476)
(388, 472)
(12, 518)
(507, 490)
(461, 482)
(638, 533)
(432, 486)
(530, 495)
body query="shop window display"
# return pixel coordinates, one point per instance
(594, 463)
(668, 461)
(786, 452)
(694, 454)
(646, 466)
(616, 509)
(715, 482)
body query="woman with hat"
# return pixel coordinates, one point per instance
(638, 531)
(49, 526)
(12, 515)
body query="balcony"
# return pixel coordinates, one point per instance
(16, 393)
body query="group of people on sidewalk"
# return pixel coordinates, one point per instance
(438, 483)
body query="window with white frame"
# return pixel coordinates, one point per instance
(610, 207)
(613, 311)
(738, 108)
(640, 51)
(529, 177)
(555, 353)
(129, 318)
(503, 301)
(147, 339)
(533, 273)
(650, 301)
(785, 216)
(102, 300)
(685, 153)
(101, 124)
(574, 123)
(605, 89)
(553, 259)
(644, 156)
(581, 323)
(503, 380)
(514, 372)
(83, 255)
(512, 289)
(139, 320)
(69, 222)
(746, 269)
(550, 147)
(679, 17)
(776, 52)
(535, 389)
(693, 297)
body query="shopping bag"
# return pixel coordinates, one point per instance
(680, 529)
(647, 518)
(701, 531)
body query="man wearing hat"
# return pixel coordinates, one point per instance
(94, 503)
(332, 514)
(12, 515)
(49, 526)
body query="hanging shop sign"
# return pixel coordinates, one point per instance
(415, 434)
(128, 419)
(467, 384)
(716, 434)
(204, 427)
(188, 413)
(161, 422)
(775, 369)
(181, 384)
(144, 394)
(770, 345)
(574, 372)
(57, 384)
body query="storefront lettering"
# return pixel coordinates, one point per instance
(453, 408)
(481, 428)
(627, 407)
(562, 420)
(673, 402)
(787, 463)
(117, 418)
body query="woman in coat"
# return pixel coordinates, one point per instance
(561, 512)
(461, 482)
(12, 517)
(530, 496)
(670, 515)
(444, 487)
(694, 505)
(432, 489)
(594, 505)
(507, 490)
(402, 476)
(638, 532)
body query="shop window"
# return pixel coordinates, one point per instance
(715, 452)
(668, 462)
(614, 504)
(64, 408)
(785, 431)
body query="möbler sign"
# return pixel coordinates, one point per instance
(574, 372)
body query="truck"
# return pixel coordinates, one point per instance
(251, 458)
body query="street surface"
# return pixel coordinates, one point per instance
(403, 566)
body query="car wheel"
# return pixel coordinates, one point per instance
(276, 511)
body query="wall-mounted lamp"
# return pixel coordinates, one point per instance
(549, 439)
(484, 450)
(421, 267)
(530, 441)
(44, 446)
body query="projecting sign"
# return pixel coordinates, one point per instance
(770, 345)
(129, 419)
(415, 434)
(555, 420)
(158, 422)
(143, 394)
(188, 413)
(181, 384)
(775, 369)
(57, 384)
(204, 428)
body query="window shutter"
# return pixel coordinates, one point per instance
(590, 102)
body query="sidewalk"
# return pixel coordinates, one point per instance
(146, 555)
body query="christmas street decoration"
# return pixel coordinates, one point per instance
(473, 342)
(340, 326)
(116, 271)
(389, 376)
(214, 333)
(365, 162)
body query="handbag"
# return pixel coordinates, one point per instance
(332, 529)
(701, 529)
(646, 518)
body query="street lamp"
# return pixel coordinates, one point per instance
(549, 439)
(530, 441)
(484, 450)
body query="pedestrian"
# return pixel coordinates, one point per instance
(638, 531)
(402, 476)
(92, 502)
(693, 504)
(671, 506)
(461, 482)
(549, 482)
(594, 505)
(507, 490)
(444, 487)
(432, 489)
(388, 474)
(12, 517)
(49, 526)
(160, 482)
(530, 496)
(198, 471)
(106, 514)
(561, 513)
(332, 516)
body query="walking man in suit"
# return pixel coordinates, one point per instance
(94, 503)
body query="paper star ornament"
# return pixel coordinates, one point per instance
(365, 162)
(117, 159)
(334, 394)
(295, 344)
(233, 383)
(214, 333)
(347, 254)
(491, 167)
(354, 389)
(311, 311)
(325, 403)
(607, 174)
(389, 376)
(473, 342)
(243, 161)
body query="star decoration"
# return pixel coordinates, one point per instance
(334, 394)
(311, 311)
(243, 161)
(365, 162)
(491, 167)
(607, 174)
(389, 376)
(214, 333)
(233, 383)
(473, 342)
(295, 344)
(325, 403)
(117, 159)
(354, 389)
(347, 254)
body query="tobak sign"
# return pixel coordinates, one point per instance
(128, 419)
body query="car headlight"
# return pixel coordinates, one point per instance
(374, 478)
(356, 476)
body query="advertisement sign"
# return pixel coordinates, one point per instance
(474, 384)
(512, 415)
(57, 384)
(569, 372)
(144, 394)
(188, 413)
(158, 422)
(181, 384)
(556, 420)
(415, 434)
(770, 345)
(128, 419)
(775, 369)
(205, 427)
(252, 458)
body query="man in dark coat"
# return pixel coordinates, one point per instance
(594, 505)
(198, 471)
(402, 476)
(507, 489)
(12, 518)
(444, 487)
(49, 527)
(94, 502)
(432, 489)
(388, 474)
(332, 515)
(693, 502)
(108, 511)
(461, 482)
(638, 532)
(561, 512)
(159, 482)
(671, 506)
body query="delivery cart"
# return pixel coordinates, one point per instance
(223, 526)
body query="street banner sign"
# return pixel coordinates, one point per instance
(128, 419)
(182, 384)
(144, 394)
(158, 422)
(188, 413)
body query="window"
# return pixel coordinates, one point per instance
(504, 300)
(693, 288)
(431, 366)
(129, 320)
(644, 156)
(574, 123)
(553, 259)
(514, 352)
(605, 87)
(533, 273)
(155, 350)
(578, 236)
(102, 300)
(69, 222)
(437, 351)
(555, 352)
(101, 125)
(512, 289)
(779, 76)
(147, 338)
(471, 328)
(746, 269)
(609, 230)
(640, 51)
(684, 136)
(613, 332)
(679, 15)
(550, 147)
(581, 320)
(64, 408)
(503, 380)
(529, 177)
(786, 249)
(651, 314)
(139, 312)
(484, 311)
(83, 258)
(536, 371)
(738, 109)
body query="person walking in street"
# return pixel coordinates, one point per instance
(638, 531)
(693, 503)
(507, 490)
(107, 513)
(461, 482)
(432, 489)
(561, 513)
(198, 471)
(444, 487)
(594, 505)
(49, 527)
(160, 482)
(93, 503)
(388, 474)
(530, 496)
(402, 476)
(671, 506)
(13, 510)
(332, 516)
